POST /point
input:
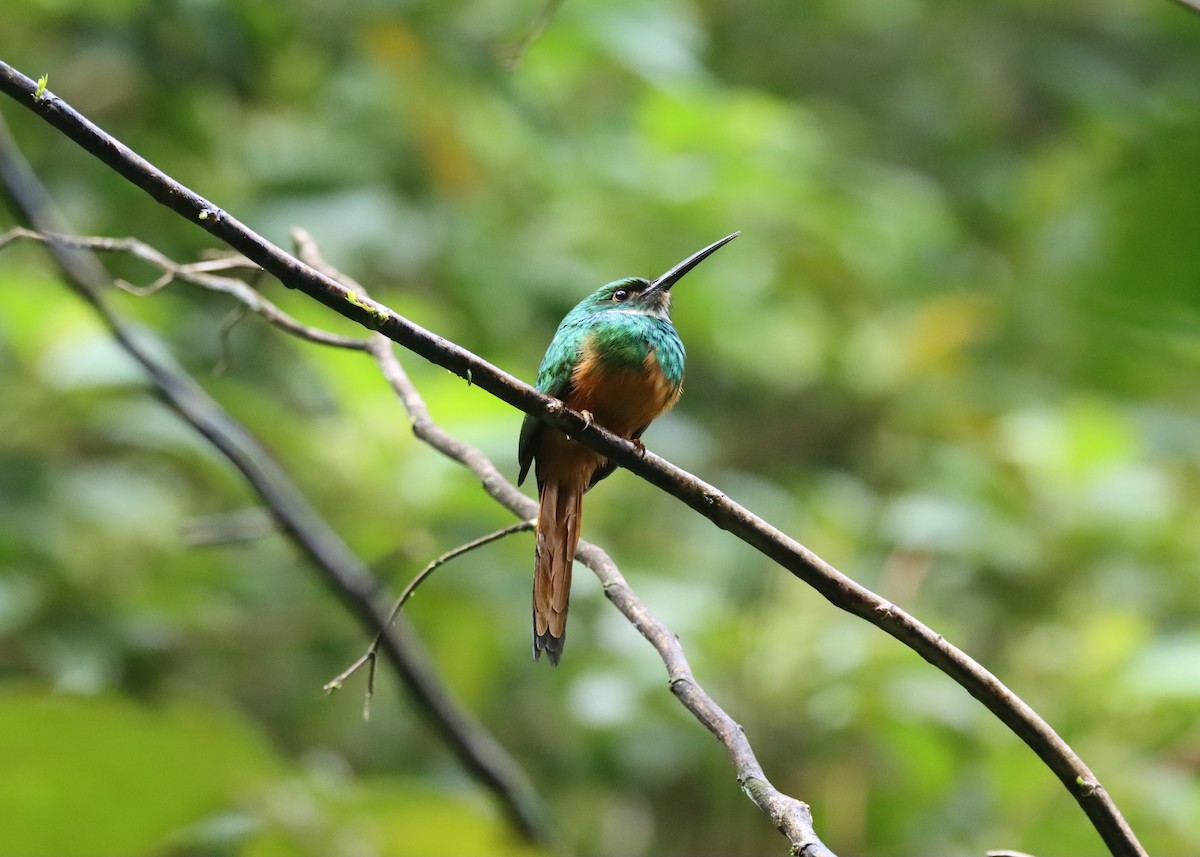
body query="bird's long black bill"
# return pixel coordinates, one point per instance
(674, 275)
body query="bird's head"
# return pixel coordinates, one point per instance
(647, 297)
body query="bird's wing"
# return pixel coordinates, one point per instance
(553, 380)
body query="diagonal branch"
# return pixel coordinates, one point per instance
(343, 571)
(837, 588)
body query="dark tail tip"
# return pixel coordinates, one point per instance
(552, 646)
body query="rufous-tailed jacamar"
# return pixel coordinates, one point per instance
(616, 359)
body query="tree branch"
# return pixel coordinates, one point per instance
(343, 571)
(834, 586)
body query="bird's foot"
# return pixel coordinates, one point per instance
(588, 419)
(641, 447)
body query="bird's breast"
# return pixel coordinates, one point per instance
(622, 397)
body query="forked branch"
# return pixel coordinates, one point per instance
(370, 656)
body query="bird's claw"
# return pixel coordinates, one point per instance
(588, 419)
(641, 447)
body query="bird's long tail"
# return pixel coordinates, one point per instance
(557, 539)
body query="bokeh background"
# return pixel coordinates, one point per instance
(954, 352)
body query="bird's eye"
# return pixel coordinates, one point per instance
(621, 295)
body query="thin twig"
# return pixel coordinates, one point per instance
(837, 588)
(423, 574)
(369, 657)
(349, 578)
(228, 323)
(196, 273)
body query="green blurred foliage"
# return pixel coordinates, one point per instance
(954, 352)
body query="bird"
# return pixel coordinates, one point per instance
(617, 359)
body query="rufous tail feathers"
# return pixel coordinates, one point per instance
(557, 539)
